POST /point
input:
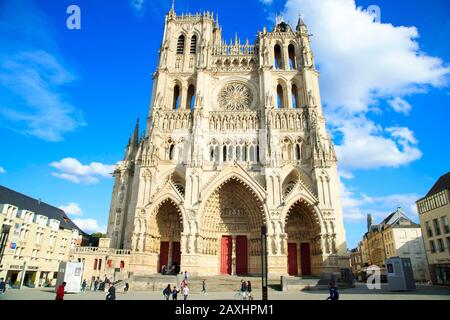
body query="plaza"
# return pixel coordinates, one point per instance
(359, 292)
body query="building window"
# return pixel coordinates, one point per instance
(441, 245)
(95, 264)
(122, 264)
(294, 97)
(444, 221)
(193, 44)
(99, 264)
(191, 97)
(432, 246)
(429, 230)
(278, 57)
(180, 44)
(280, 96)
(176, 97)
(291, 51)
(448, 244)
(437, 228)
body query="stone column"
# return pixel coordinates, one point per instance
(233, 256)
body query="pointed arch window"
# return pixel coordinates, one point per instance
(176, 97)
(280, 97)
(278, 57)
(193, 44)
(180, 45)
(191, 97)
(171, 151)
(295, 104)
(298, 152)
(291, 53)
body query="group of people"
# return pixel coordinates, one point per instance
(184, 289)
(109, 288)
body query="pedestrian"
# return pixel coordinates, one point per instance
(185, 292)
(127, 287)
(204, 286)
(167, 291)
(186, 275)
(83, 286)
(334, 294)
(182, 284)
(60, 291)
(111, 292)
(2, 286)
(175, 293)
(243, 289)
(96, 284)
(249, 290)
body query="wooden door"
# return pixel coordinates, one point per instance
(225, 256)
(292, 259)
(241, 255)
(176, 253)
(305, 258)
(163, 254)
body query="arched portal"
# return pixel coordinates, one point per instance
(165, 230)
(303, 237)
(231, 228)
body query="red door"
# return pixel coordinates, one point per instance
(225, 256)
(241, 255)
(292, 259)
(305, 258)
(176, 253)
(163, 254)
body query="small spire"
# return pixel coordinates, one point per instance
(136, 133)
(300, 22)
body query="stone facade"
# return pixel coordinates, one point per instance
(235, 139)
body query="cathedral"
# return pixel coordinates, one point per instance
(235, 139)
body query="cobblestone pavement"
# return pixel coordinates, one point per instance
(360, 292)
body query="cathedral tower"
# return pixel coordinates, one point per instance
(235, 139)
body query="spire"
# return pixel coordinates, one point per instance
(300, 22)
(136, 133)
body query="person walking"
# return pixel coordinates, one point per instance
(2, 286)
(60, 292)
(127, 287)
(167, 291)
(96, 284)
(185, 292)
(175, 293)
(243, 289)
(83, 286)
(186, 275)
(204, 286)
(334, 294)
(111, 292)
(249, 290)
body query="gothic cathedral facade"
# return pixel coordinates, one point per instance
(235, 140)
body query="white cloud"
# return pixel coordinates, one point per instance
(89, 225)
(2, 170)
(356, 205)
(73, 170)
(400, 105)
(32, 76)
(267, 2)
(72, 208)
(362, 62)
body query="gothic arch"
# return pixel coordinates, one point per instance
(308, 203)
(152, 209)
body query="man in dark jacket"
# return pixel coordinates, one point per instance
(334, 294)
(111, 292)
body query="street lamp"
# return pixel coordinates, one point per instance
(264, 262)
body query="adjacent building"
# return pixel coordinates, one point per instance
(395, 236)
(434, 214)
(34, 238)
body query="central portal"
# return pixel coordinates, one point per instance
(231, 223)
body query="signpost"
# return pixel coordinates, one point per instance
(264, 261)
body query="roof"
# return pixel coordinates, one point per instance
(24, 202)
(442, 183)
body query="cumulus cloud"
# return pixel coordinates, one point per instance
(73, 170)
(33, 76)
(399, 105)
(89, 225)
(2, 170)
(356, 205)
(361, 63)
(72, 208)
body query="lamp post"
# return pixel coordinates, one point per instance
(264, 262)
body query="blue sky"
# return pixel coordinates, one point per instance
(69, 99)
